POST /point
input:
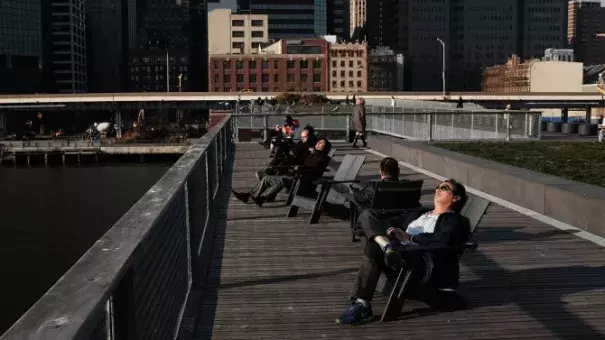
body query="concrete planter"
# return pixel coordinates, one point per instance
(569, 128)
(542, 126)
(587, 129)
(553, 127)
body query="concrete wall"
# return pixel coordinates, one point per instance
(556, 76)
(574, 203)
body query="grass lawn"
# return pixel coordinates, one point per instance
(579, 161)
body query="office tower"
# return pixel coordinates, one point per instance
(357, 19)
(586, 31)
(290, 18)
(106, 44)
(337, 18)
(21, 48)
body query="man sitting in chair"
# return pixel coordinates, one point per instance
(296, 155)
(389, 171)
(313, 167)
(438, 273)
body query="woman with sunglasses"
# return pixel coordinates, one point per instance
(436, 273)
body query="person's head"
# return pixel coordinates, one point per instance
(307, 133)
(450, 195)
(360, 101)
(288, 120)
(323, 145)
(389, 168)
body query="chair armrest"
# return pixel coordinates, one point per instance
(280, 166)
(329, 181)
(425, 249)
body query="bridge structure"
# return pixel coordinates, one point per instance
(188, 261)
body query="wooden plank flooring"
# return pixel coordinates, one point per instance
(278, 278)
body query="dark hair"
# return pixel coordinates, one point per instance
(310, 129)
(458, 190)
(327, 146)
(389, 166)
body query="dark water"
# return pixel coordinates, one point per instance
(50, 216)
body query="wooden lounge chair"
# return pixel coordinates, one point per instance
(474, 209)
(330, 189)
(390, 198)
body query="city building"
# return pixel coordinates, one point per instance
(534, 76)
(106, 45)
(287, 65)
(290, 18)
(385, 70)
(572, 16)
(68, 43)
(558, 54)
(338, 18)
(587, 35)
(381, 25)
(222, 4)
(357, 19)
(236, 33)
(21, 47)
(348, 67)
(170, 51)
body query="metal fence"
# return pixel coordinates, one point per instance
(134, 282)
(427, 126)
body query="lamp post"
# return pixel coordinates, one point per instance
(167, 71)
(443, 66)
(180, 82)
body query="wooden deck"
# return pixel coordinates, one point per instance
(278, 278)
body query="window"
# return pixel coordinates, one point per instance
(238, 46)
(334, 73)
(226, 65)
(304, 78)
(350, 73)
(304, 64)
(252, 65)
(316, 64)
(226, 77)
(216, 78)
(257, 23)
(240, 78)
(239, 64)
(359, 83)
(342, 63)
(342, 73)
(342, 83)
(216, 65)
(253, 78)
(276, 78)
(317, 78)
(265, 65)
(350, 63)
(333, 63)
(276, 64)
(258, 34)
(334, 83)
(290, 78)
(359, 74)
(237, 34)
(238, 23)
(291, 64)
(350, 83)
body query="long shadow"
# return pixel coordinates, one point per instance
(287, 278)
(512, 234)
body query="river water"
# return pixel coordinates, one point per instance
(50, 216)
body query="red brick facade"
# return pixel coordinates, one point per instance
(273, 72)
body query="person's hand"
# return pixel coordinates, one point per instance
(399, 234)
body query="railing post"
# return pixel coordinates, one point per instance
(472, 124)
(508, 126)
(539, 125)
(124, 307)
(527, 130)
(265, 126)
(496, 134)
(430, 124)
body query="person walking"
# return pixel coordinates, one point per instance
(358, 122)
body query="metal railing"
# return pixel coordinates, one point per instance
(425, 126)
(134, 282)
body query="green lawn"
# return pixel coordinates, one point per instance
(579, 161)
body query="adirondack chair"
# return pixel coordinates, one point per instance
(295, 180)
(330, 189)
(390, 198)
(474, 209)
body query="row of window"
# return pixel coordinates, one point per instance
(228, 88)
(252, 64)
(265, 78)
(253, 34)
(342, 83)
(242, 23)
(343, 74)
(343, 63)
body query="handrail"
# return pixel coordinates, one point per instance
(116, 287)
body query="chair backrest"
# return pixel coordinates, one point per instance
(393, 196)
(474, 209)
(347, 171)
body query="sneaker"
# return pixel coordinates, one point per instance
(244, 197)
(356, 314)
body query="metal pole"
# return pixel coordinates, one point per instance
(443, 66)
(167, 71)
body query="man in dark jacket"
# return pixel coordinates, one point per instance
(314, 166)
(389, 171)
(442, 226)
(296, 155)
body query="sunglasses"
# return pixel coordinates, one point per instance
(443, 187)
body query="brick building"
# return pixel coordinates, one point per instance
(296, 65)
(348, 67)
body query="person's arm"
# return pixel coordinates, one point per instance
(364, 195)
(454, 230)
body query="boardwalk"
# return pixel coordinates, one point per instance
(278, 278)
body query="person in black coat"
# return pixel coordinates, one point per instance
(314, 166)
(438, 272)
(295, 155)
(389, 172)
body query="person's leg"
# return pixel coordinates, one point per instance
(363, 139)
(601, 135)
(255, 191)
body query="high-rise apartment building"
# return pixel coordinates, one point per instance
(357, 19)
(291, 18)
(106, 44)
(586, 31)
(337, 18)
(68, 27)
(21, 48)
(170, 51)
(572, 16)
(236, 33)
(543, 25)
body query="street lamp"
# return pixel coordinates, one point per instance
(443, 67)
(180, 82)
(167, 71)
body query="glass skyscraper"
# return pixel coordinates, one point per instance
(290, 18)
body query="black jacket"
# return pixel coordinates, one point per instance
(314, 165)
(451, 229)
(365, 196)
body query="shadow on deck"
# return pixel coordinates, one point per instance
(277, 278)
